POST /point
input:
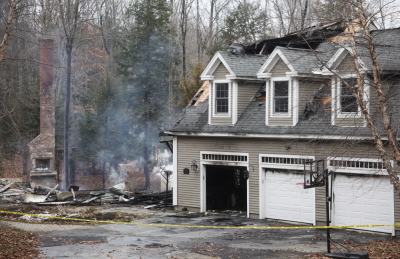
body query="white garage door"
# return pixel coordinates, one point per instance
(286, 200)
(363, 200)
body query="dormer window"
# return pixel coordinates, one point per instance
(281, 96)
(345, 109)
(222, 98)
(348, 103)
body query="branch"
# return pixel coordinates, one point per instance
(13, 8)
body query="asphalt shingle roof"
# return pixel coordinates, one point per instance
(194, 119)
(244, 65)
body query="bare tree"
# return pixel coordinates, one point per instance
(358, 37)
(70, 17)
(13, 5)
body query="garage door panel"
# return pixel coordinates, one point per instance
(363, 200)
(286, 200)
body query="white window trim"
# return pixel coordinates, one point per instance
(261, 170)
(336, 96)
(272, 102)
(234, 108)
(352, 170)
(213, 103)
(284, 166)
(295, 101)
(267, 91)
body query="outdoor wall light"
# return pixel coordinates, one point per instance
(194, 166)
(185, 170)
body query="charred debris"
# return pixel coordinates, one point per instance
(27, 193)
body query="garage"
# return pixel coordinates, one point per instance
(285, 199)
(363, 200)
(226, 188)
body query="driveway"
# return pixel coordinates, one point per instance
(157, 241)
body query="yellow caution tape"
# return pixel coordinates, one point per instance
(192, 226)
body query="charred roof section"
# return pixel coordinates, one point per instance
(308, 38)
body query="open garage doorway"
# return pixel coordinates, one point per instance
(226, 188)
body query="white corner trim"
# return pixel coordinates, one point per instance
(175, 172)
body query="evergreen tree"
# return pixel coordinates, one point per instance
(245, 23)
(143, 64)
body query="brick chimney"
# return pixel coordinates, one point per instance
(42, 148)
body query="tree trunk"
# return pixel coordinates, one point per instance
(183, 35)
(66, 118)
(304, 14)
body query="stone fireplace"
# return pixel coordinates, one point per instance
(42, 148)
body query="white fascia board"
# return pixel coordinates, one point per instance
(265, 75)
(292, 74)
(212, 65)
(207, 78)
(274, 136)
(334, 61)
(230, 77)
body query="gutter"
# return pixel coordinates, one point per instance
(273, 136)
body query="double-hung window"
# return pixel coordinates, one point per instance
(281, 97)
(348, 103)
(221, 97)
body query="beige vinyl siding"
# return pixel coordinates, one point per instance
(320, 206)
(221, 120)
(273, 121)
(280, 69)
(246, 93)
(189, 149)
(307, 91)
(347, 65)
(220, 72)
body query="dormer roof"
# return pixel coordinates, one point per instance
(238, 66)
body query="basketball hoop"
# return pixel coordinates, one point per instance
(314, 174)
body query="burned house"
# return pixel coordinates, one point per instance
(268, 109)
(41, 165)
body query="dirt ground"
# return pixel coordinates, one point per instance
(161, 235)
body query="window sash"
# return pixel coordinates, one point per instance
(222, 98)
(348, 103)
(281, 96)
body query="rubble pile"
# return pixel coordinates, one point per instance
(19, 192)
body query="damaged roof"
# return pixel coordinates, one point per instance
(194, 119)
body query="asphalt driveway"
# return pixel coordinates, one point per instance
(143, 241)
